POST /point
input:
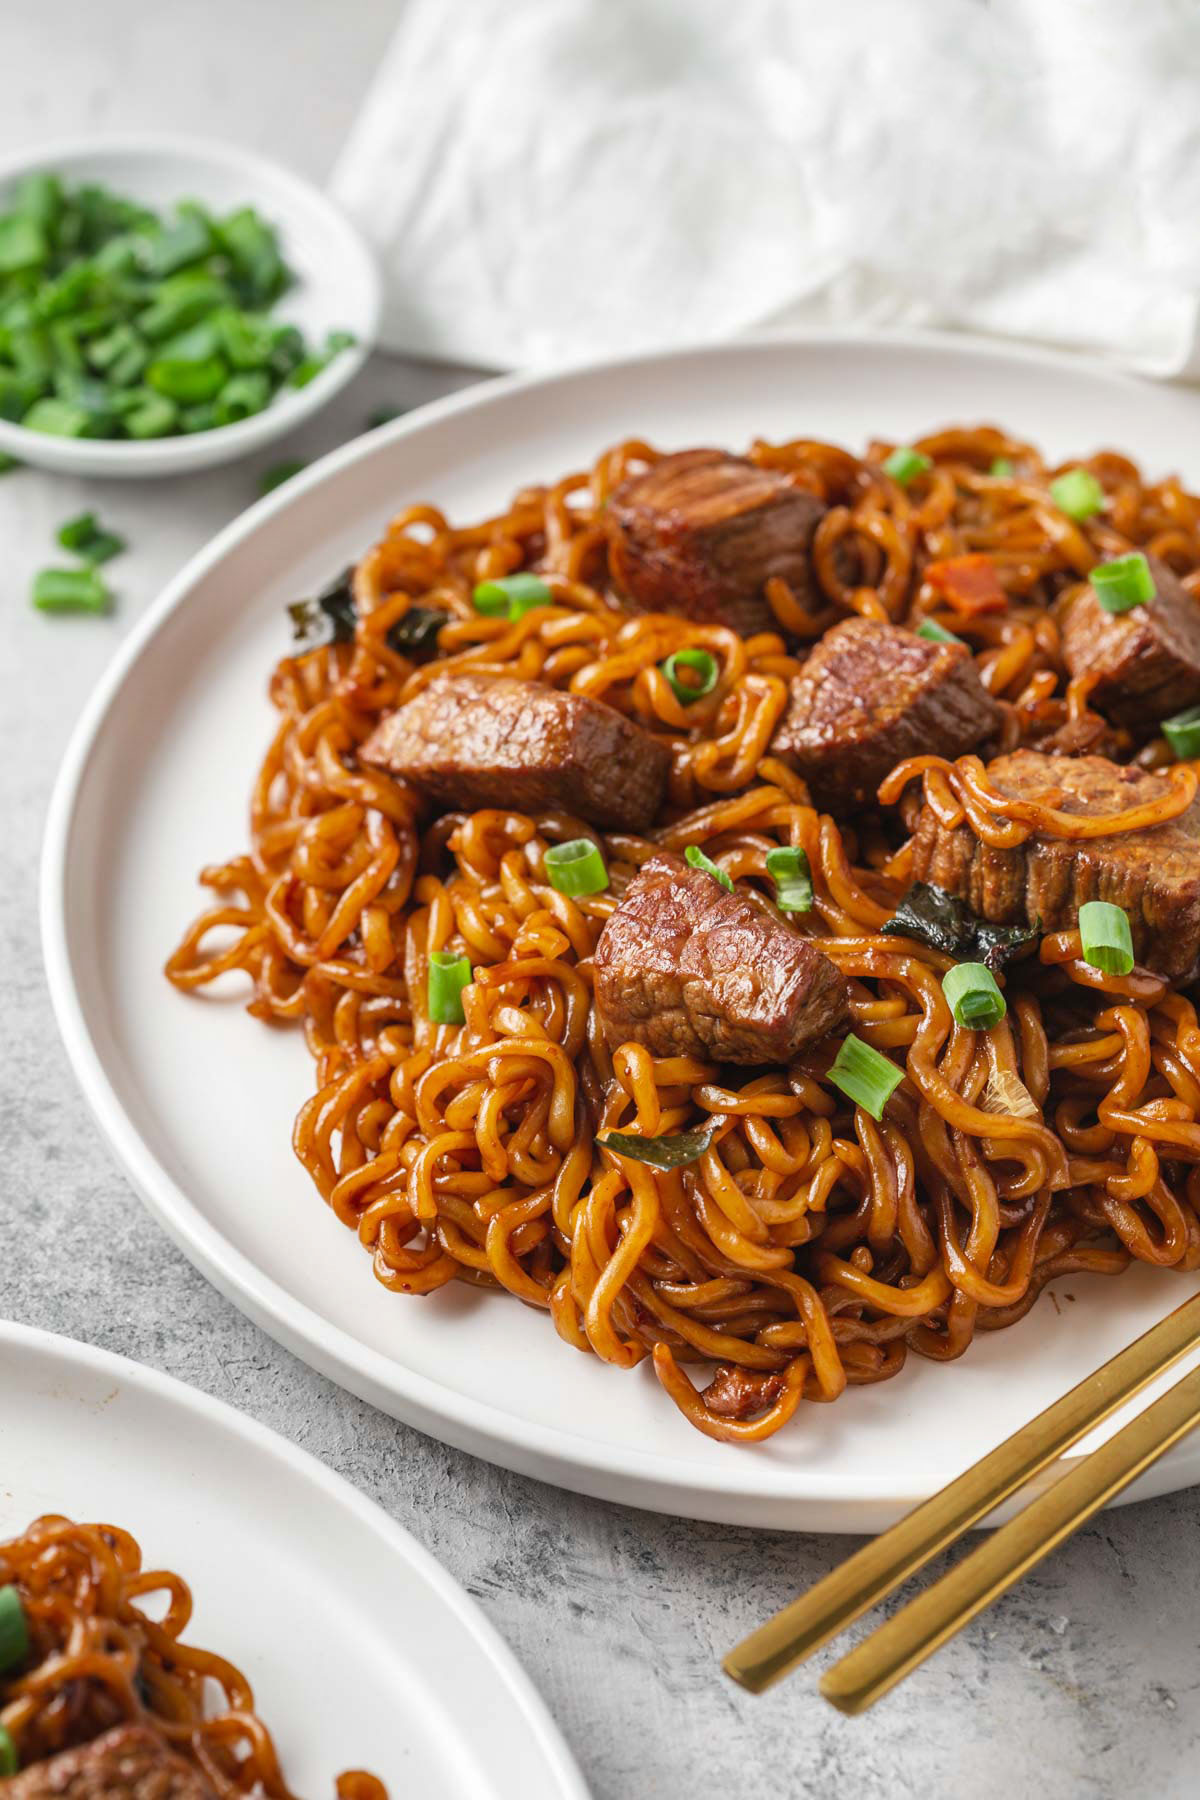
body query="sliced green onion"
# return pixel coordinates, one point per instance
(22, 244)
(188, 382)
(1077, 493)
(510, 596)
(1183, 733)
(905, 464)
(576, 867)
(448, 976)
(973, 996)
(1105, 937)
(88, 539)
(1001, 469)
(865, 1075)
(671, 1152)
(70, 590)
(1123, 582)
(57, 418)
(153, 415)
(705, 666)
(76, 532)
(696, 859)
(8, 463)
(14, 1628)
(936, 634)
(10, 1762)
(275, 476)
(789, 870)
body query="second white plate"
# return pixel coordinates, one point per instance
(361, 1651)
(198, 1100)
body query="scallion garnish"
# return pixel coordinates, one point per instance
(1001, 469)
(933, 633)
(705, 670)
(1183, 733)
(865, 1075)
(673, 1152)
(1105, 938)
(70, 590)
(696, 859)
(14, 1628)
(973, 996)
(905, 464)
(1078, 494)
(511, 596)
(10, 1762)
(448, 976)
(1123, 582)
(789, 870)
(576, 867)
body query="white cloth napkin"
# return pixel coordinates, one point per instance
(548, 180)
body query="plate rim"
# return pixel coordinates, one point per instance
(368, 1515)
(746, 1492)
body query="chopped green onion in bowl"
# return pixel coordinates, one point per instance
(1078, 494)
(695, 858)
(576, 867)
(704, 671)
(973, 996)
(1123, 582)
(865, 1075)
(789, 870)
(1105, 938)
(905, 464)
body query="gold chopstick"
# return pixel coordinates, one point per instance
(919, 1628)
(848, 1591)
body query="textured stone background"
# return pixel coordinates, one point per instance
(1085, 1682)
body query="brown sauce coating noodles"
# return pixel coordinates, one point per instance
(810, 1246)
(97, 1660)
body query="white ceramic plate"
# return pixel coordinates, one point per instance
(280, 1553)
(198, 1100)
(337, 287)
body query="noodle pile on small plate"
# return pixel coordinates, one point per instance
(810, 1246)
(83, 1658)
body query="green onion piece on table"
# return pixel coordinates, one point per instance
(70, 590)
(789, 870)
(449, 974)
(696, 859)
(1123, 582)
(576, 868)
(865, 1075)
(1105, 937)
(705, 671)
(973, 996)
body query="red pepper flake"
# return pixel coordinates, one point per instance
(969, 583)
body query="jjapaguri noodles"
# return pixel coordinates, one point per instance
(101, 1696)
(745, 906)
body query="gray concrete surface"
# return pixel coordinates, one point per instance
(1085, 1682)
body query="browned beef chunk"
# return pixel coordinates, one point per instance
(1148, 659)
(872, 694)
(737, 1393)
(700, 533)
(471, 741)
(1153, 874)
(129, 1763)
(688, 969)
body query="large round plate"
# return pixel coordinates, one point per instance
(198, 1100)
(361, 1651)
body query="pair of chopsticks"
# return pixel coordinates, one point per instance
(899, 1645)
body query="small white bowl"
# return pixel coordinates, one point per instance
(337, 287)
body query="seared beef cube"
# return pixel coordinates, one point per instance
(1153, 874)
(700, 533)
(1148, 659)
(130, 1762)
(688, 969)
(472, 741)
(872, 694)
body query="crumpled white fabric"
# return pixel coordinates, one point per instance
(551, 180)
